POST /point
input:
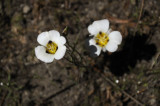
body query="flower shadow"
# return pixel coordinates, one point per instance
(92, 49)
(135, 49)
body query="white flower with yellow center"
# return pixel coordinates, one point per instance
(52, 46)
(103, 38)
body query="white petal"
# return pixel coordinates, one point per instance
(60, 52)
(111, 46)
(62, 40)
(97, 26)
(40, 52)
(55, 36)
(104, 49)
(98, 50)
(92, 42)
(116, 37)
(43, 38)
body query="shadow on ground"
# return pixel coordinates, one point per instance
(135, 49)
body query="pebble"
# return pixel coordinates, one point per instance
(26, 9)
(117, 81)
(139, 82)
(152, 101)
(1, 83)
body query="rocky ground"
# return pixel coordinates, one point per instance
(128, 77)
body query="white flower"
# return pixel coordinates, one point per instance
(52, 46)
(103, 38)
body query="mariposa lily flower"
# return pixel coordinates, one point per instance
(52, 46)
(103, 38)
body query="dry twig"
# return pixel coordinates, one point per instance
(125, 93)
(140, 15)
(3, 99)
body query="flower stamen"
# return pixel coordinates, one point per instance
(101, 39)
(51, 47)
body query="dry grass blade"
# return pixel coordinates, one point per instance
(125, 93)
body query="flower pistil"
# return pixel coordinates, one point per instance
(51, 47)
(101, 39)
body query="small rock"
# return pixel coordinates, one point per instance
(102, 87)
(17, 22)
(152, 101)
(26, 9)
(1, 83)
(117, 81)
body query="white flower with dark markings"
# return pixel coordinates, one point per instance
(52, 46)
(103, 38)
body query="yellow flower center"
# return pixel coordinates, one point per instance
(101, 39)
(51, 47)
